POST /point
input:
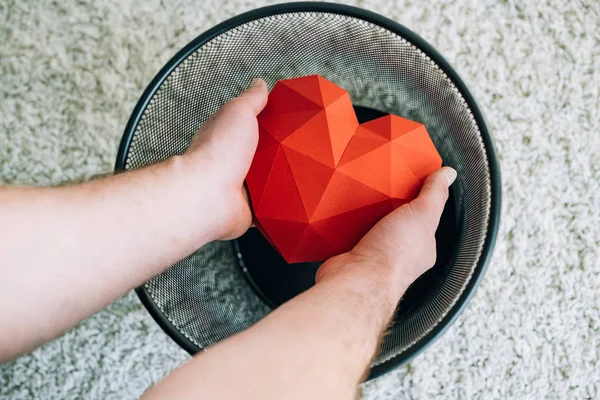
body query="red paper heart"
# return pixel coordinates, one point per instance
(319, 180)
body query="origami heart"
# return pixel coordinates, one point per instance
(319, 180)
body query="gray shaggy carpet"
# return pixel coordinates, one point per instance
(71, 72)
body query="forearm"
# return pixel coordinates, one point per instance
(316, 346)
(68, 251)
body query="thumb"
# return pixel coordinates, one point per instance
(234, 124)
(248, 104)
(255, 96)
(429, 205)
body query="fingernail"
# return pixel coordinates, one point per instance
(450, 175)
(255, 82)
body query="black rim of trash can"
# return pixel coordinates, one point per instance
(424, 46)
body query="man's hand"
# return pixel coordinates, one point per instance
(225, 146)
(95, 241)
(397, 250)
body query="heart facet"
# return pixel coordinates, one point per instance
(319, 180)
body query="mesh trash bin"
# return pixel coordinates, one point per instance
(224, 287)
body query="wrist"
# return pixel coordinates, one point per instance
(196, 197)
(372, 281)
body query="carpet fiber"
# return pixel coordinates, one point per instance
(71, 72)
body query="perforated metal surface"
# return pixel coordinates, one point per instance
(205, 298)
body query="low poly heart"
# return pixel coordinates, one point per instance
(320, 180)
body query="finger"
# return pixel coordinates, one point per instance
(233, 123)
(256, 95)
(428, 206)
(242, 109)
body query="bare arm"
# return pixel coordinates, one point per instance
(66, 252)
(318, 345)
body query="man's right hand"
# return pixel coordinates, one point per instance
(397, 250)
